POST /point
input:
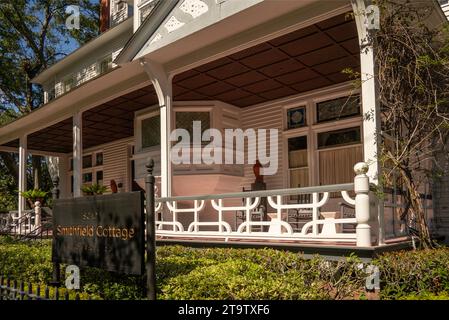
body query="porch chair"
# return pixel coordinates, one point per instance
(297, 218)
(257, 214)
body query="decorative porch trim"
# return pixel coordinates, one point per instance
(279, 228)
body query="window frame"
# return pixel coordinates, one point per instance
(318, 121)
(139, 116)
(205, 109)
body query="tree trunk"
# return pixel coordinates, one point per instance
(417, 210)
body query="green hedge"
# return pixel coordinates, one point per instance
(414, 273)
(188, 273)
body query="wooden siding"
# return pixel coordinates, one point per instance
(264, 117)
(115, 163)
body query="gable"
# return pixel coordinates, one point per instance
(169, 24)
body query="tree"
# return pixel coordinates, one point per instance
(413, 78)
(33, 35)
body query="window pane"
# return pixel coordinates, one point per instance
(151, 132)
(106, 64)
(100, 177)
(338, 108)
(298, 163)
(87, 161)
(99, 159)
(185, 120)
(339, 137)
(337, 165)
(68, 84)
(296, 118)
(87, 177)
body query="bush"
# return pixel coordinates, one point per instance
(412, 273)
(240, 279)
(228, 273)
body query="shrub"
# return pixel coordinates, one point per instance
(414, 272)
(240, 279)
(229, 273)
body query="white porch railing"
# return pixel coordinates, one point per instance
(322, 227)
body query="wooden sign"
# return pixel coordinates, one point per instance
(104, 231)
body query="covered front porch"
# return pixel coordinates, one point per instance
(286, 78)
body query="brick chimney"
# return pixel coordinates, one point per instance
(104, 15)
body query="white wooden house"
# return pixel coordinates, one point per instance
(160, 65)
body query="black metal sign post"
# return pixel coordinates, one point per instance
(56, 277)
(151, 232)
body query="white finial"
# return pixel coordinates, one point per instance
(361, 168)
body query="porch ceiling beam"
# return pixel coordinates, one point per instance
(32, 151)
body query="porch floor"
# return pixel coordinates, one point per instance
(328, 250)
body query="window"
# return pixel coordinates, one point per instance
(296, 117)
(87, 161)
(106, 64)
(87, 177)
(120, 5)
(339, 137)
(185, 120)
(99, 177)
(151, 132)
(51, 94)
(99, 159)
(336, 165)
(338, 108)
(298, 162)
(69, 83)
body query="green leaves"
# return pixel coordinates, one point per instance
(228, 273)
(34, 194)
(94, 189)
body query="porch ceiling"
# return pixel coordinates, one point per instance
(110, 121)
(297, 62)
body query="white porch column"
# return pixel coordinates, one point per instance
(23, 153)
(77, 153)
(162, 83)
(366, 17)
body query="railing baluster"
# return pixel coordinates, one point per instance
(47, 293)
(196, 216)
(220, 216)
(66, 295)
(248, 215)
(38, 292)
(175, 215)
(315, 214)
